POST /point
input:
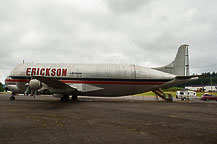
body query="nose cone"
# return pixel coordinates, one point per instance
(147, 73)
(12, 88)
(10, 85)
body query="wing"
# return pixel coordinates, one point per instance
(56, 84)
(53, 82)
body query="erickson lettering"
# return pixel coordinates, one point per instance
(46, 71)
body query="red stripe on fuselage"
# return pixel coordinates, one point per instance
(95, 82)
(16, 80)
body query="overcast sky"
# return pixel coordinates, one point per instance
(142, 32)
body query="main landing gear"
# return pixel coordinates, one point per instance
(74, 97)
(65, 98)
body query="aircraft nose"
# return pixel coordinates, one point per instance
(11, 86)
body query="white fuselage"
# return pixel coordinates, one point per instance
(91, 79)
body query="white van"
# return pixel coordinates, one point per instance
(186, 95)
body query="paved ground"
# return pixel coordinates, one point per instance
(97, 121)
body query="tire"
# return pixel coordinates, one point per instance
(65, 98)
(12, 98)
(74, 97)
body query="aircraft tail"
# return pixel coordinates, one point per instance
(180, 65)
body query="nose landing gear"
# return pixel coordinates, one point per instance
(12, 97)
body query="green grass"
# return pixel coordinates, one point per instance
(153, 94)
(5, 92)
(147, 94)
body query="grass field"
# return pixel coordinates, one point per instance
(5, 92)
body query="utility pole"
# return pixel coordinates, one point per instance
(211, 82)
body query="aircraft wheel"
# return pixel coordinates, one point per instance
(65, 98)
(12, 98)
(74, 97)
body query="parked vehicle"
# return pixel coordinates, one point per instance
(186, 95)
(207, 96)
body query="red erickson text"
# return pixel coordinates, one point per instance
(46, 71)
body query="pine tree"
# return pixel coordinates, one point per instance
(1, 87)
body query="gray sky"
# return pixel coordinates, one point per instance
(142, 32)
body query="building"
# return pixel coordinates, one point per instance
(205, 88)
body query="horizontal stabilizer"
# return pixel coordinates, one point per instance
(188, 77)
(179, 80)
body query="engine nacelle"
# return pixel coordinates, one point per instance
(35, 84)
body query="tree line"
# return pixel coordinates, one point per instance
(206, 78)
(1, 87)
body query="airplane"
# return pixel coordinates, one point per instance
(64, 80)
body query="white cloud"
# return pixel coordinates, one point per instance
(142, 32)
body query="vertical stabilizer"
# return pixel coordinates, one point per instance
(180, 66)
